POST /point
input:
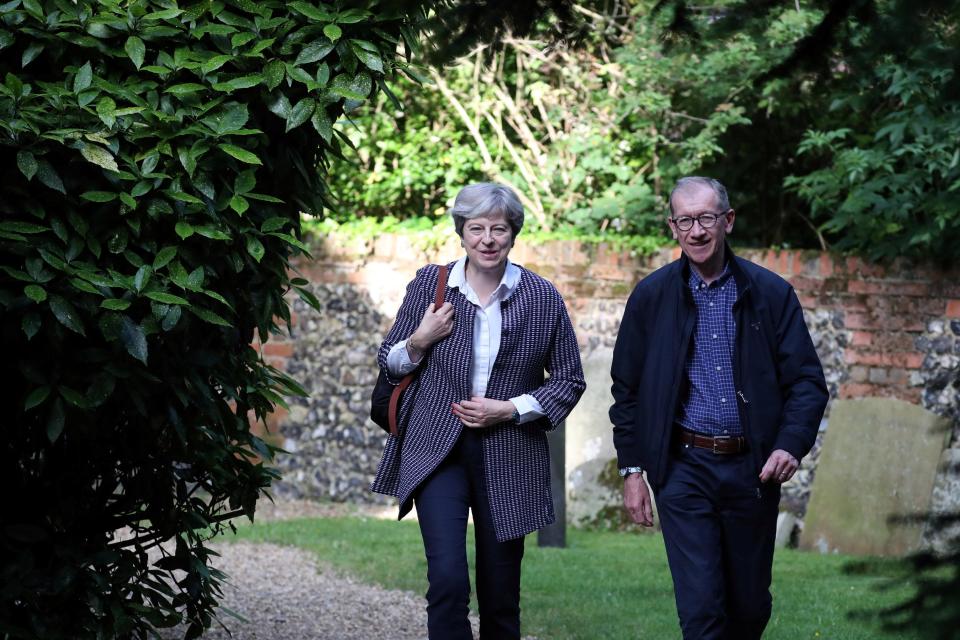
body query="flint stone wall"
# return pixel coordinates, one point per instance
(881, 331)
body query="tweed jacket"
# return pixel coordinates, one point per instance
(536, 335)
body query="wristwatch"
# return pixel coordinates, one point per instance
(625, 471)
(516, 416)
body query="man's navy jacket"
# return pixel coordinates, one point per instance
(781, 391)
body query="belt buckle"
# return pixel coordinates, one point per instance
(715, 441)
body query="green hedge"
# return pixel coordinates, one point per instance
(154, 157)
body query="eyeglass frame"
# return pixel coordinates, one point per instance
(696, 220)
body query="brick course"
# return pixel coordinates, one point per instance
(884, 307)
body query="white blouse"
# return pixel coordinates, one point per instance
(486, 338)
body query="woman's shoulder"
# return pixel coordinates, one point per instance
(537, 285)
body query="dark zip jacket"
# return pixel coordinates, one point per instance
(781, 391)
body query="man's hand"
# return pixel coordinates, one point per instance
(435, 325)
(780, 467)
(636, 499)
(478, 412)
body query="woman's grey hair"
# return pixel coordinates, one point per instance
(723, 202)
(486, 199)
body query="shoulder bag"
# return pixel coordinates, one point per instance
(385, 399)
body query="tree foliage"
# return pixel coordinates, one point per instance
(590, 135)
(155, 157)
(851, 130)
(795, 106)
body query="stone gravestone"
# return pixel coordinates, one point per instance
(589, 441)
(880, 459)
(594, 490)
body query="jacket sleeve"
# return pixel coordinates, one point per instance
(417, 298)
(559, 394)
(628, 357)
(802, 385)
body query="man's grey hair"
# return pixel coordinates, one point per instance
(683, 184)
(487, 199)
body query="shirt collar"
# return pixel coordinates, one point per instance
(695, 280)
(508, 283)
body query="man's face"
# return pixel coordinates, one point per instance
(702, 246)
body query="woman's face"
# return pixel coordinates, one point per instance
(488, 240)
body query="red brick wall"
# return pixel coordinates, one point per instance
(884, 308)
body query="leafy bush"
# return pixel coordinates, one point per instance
(890, 181)
(154, 160)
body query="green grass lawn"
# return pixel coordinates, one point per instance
(603, 585)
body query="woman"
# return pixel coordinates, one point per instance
(477, 418)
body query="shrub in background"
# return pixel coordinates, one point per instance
(155, 157)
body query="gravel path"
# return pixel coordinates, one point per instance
(285, 594)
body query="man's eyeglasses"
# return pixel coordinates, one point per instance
(706, 220)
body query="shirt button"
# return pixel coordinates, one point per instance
(711, 304)
(714, 335)
(718, 368)
(723, 399)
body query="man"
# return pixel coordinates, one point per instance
(718, 393)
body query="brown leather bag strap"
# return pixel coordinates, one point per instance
(407, 379)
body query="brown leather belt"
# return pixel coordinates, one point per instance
(723, 445)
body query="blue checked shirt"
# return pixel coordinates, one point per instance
(710, 407)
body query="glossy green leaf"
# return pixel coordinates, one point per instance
(36, 397)
(171, 319)
(30, 53)
(300, 113)
(163, 257)
(35, 292)
(133, 338)
(195, 279)
(215, 63)
(333, 32)
(239, 204)
(208, 316)
(272, 224)
(354, 87)
(184, 88)
(72, 396)
(184, 230)
(99, 196)
(273, 73)
(99, 156)
(322, 124)
(47, 175)
(136, 50)
(240, 154)
(311, 11)
(106, 109)
(142, 277)
(370, 59)
(83, 78)
(116, 304)
(27, 164)
(66, 314)
(14, 226)
(31, 324)
(314, 51)
(255, 248)
(166, 298)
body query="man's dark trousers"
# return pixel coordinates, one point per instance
(719, 524)
(442, 503)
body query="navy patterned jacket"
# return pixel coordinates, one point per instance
(536, 335)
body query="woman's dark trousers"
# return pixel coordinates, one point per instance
(443, 501)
